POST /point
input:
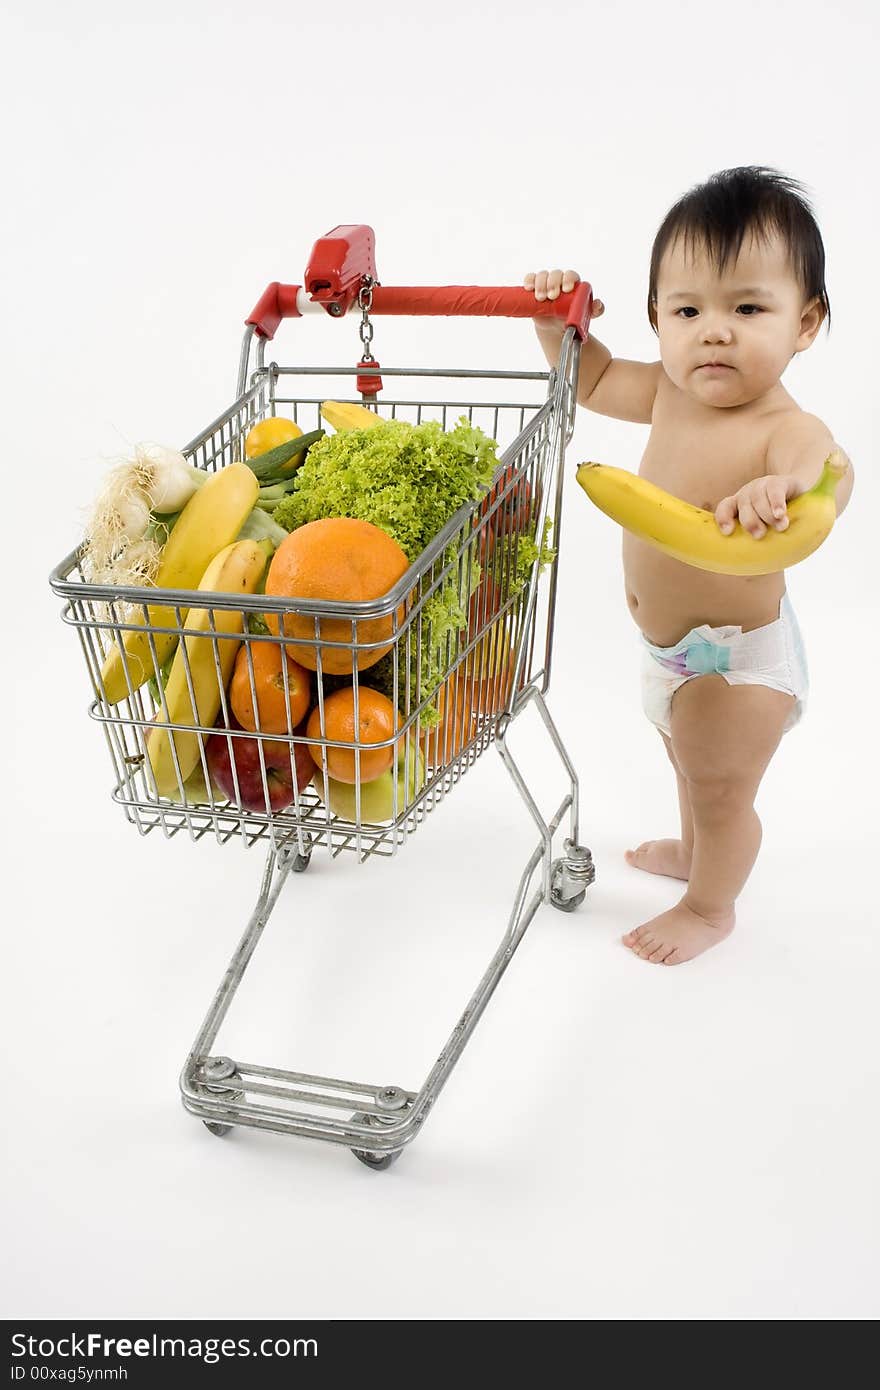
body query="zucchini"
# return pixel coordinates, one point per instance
(285, 459)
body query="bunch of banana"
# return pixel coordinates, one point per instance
(203, 665)
(692, 535)
(211, 519)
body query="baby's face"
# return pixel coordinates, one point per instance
(751, 320)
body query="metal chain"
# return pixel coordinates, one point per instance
(365, 304)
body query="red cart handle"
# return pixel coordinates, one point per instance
(277, 302)
(574, 307)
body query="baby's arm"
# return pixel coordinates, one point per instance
(609, 385)
(796, 453)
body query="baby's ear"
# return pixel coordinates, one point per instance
(812, 318)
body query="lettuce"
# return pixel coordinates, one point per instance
(407, 479)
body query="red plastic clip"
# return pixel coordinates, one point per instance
(369, 385)
(337, 266)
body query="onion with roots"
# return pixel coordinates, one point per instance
(120, 518)
(122, 543)
(165, 477)
(136, 566)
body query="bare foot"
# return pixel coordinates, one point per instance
(678, 935)
(669, 857)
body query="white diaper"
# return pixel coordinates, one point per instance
(773, 656)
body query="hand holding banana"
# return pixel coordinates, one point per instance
(759, 505)
(715, 541)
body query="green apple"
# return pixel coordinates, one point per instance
(377, 797)
(196, 790)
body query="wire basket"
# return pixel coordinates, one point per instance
(449, 685)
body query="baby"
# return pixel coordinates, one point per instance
(736, 289)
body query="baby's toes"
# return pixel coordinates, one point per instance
(646, 945)
(661, 950)
(638, 940)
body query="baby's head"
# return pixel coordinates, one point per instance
(737, 278)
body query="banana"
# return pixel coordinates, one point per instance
(342, 415)
(691, 534)
(236, 570)
(211, 519)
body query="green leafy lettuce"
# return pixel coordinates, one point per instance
(407, 479)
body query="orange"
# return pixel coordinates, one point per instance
(268, 434)
(271, 674)
(376, 720)
(456, 728)
(341, 560)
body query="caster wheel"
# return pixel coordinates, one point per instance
(217, 1128)
(375, 1160)
(301, 863)
(571, 904)
(570, 877)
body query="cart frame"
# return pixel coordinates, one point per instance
(375, 1121)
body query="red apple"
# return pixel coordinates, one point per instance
(246, 755)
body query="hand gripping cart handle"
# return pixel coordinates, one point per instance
(490, 555)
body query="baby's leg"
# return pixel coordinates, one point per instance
(669, 857)
(723, 737)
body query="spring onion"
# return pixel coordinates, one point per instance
(126, 530)
(119, 520)
(165, 477)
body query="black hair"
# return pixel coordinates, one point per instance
(717, 214)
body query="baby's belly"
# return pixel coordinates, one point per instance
(668, 598)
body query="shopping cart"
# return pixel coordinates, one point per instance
(455, 689)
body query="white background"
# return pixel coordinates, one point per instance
(618, 1141)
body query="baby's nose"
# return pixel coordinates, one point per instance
(716, 331)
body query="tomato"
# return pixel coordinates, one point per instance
(511, 499)
(485, 603)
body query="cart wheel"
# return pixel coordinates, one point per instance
(217, 1128)
(571, 903)
(377, 1161)
(570, 877)
(374, 1160)
(301, 863)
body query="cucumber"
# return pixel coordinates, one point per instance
(165, 672)
(277, 462)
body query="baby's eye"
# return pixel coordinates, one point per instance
(687, 310)
(752, 309)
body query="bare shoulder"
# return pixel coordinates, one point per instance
(796, 437)
(798, 446)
